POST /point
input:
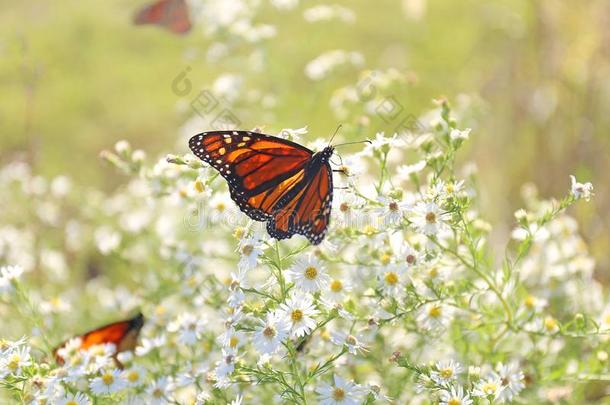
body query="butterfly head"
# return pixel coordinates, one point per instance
(326, 153)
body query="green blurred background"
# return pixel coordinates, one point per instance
(76, 76)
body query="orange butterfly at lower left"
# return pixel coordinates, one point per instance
(123, 335)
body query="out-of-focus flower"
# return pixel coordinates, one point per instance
(323, 65)
(341, 392)
(581, 190)
(108, 382)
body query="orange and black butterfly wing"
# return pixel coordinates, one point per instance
(170, 14)
(306, 209)
(123, 334)
(260, 169)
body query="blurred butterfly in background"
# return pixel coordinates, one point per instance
(123, 334)
(273, 180)
(172, 15)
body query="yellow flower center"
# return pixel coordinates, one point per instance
(433, 272)
(369, 230)
(550, 323)
(607, 319)
(71, 402)
(233, 341)
(454, 401)
(391, 278)
(311, 273)
(490, 388)
(431, 217)
(446, 373)
(297, 315)
(182, 193)
(435, 311)
(133, 376)
(337, 286)
(157, 393)
(385, 258)
(338, 394)
(108, 379)
(221, 206)
(199, 186)
(13, 363)
(530, 301)
(239, 232)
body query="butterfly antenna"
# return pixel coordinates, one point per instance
(353, 143)
(333, 137)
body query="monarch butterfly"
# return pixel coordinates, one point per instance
(273, 180)
(170, 14)
(123, 334)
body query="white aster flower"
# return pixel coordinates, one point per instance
(434, 316)
(225, 366)
(109, 382)
(428, 218)
(8, 276)
(308, 274)
(409, 257)
(353, 343)
(75, 399)
(581, 190)
(336, 291)
(271, 332)
(107, 239)
(512, 379)
(392, 279)
(455, 396)
(160, 391)
(446, 372)
(300, 311)
(135, 375)
(382, 143)
(149, 344)
(392, 210)
(342, 392)
(490, 387)
(232, 338)
(14, 359)
(250, 249)
(190, 328)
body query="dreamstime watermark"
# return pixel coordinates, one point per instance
(213, 110)
(203, 217)
(387, 107)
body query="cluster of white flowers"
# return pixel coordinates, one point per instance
(322, 66)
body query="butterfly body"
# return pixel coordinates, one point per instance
(272, 180)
